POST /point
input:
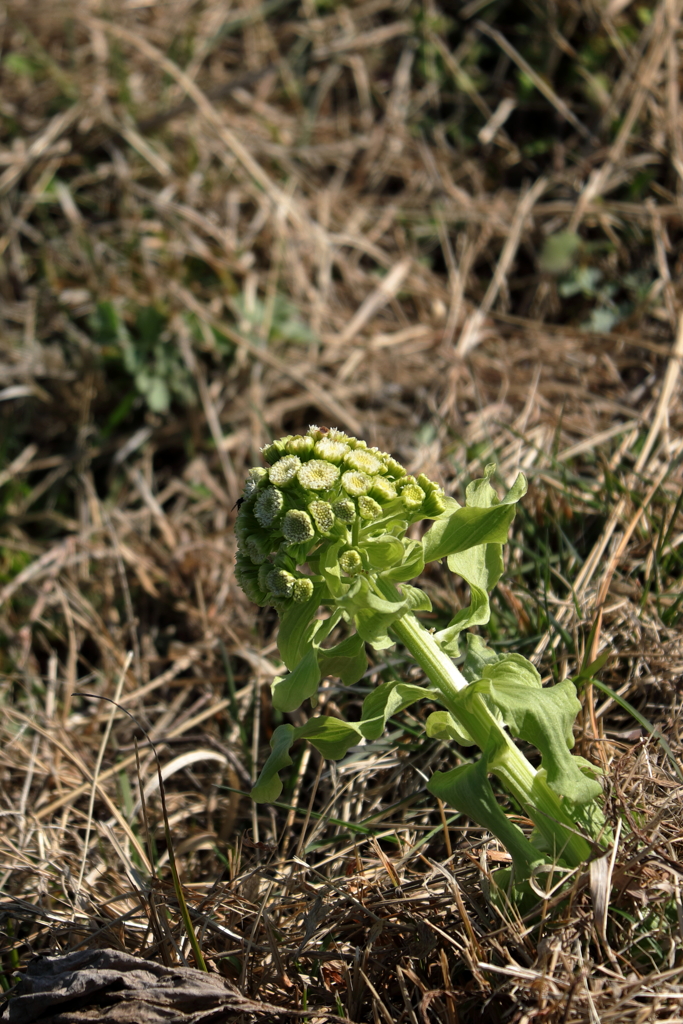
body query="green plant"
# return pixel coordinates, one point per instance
(564, 256)
(325, 527)
(149, 354)
(278, 320)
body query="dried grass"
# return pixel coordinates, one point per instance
(337, 213)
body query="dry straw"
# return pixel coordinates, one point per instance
(344, 214)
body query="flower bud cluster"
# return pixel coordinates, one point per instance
(320, 488)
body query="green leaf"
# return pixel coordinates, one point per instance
(468, 789)
(559, 253)
(298, 628)
(481, 568)
(347, 660)
(290, 691)
(328, 566)
(329, 735)
(387, 700)
(441, 725)
(467, 528)
(517, 670)
(479, 493)
(543, 717)
(383, 552)
(412, 565)
(478, 655)
(269, 786)
(373, 615)
(480, 565)
(415, 600)
(158, 395)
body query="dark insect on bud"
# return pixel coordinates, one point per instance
(238, 504)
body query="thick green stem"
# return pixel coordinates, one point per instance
(519, 777)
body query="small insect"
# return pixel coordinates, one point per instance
(238, 504)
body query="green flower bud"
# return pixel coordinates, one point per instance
(404, 482)
(331, 450)
(272, 452)
(345, 511)
(263, 573)
(394, 468)
(364, 461)
(247, 575)
(323, 515)
(254, 478)
(297, 526)
(302, 590)
(383, 489)
(284, 470)
(350, 562)
(434, 503)
(412, 497)
(335, 434)
(280, 582)
(255, 550)
(298, 445)
(368, 508)
(426, 484)
(355, 483)
(317, 475)
(284, 508)
(268, 506)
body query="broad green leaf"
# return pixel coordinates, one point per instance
(481, 567)
(415, 600)
(441, 725)
(269, 786)
(347, 660)
(373, 627)
(479, 493)
(468, 789)
(412, 565)
(478, 655)
(298, 627)
(466, 528)
(360, 597)
(517, 491)
(290, 691)
(518, 670)
(387, 700)
(543, 717)
(329, 735)
(372, 614)
(383, 552)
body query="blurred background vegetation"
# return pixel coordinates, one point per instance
(454, 230)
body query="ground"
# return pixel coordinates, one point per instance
(456, 232)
